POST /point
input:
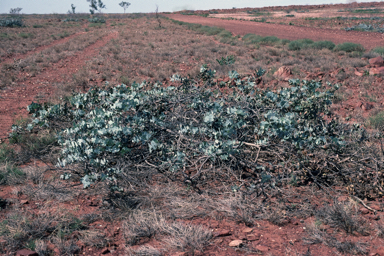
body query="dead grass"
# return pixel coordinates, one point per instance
(343, 216)
(175, 235)
(317, 236)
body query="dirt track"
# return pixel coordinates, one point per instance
(13, 101)
(238, 27)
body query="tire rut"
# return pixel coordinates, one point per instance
(13, 101)
(368, 39)
(9, 60)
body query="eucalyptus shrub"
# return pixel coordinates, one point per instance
(198, 125)
(11, 22)
(96, 20)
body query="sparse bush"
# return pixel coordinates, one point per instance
(323, 45)
(285, 41)
(349, 47)
(75, 20)
(342, 216)
(227, 60)
(7, 154)
(379, 50)
(96, 20)
(11, 175)
(377, 121)
(25, 35)
(269, 40)
(300, 44)
(256, 39)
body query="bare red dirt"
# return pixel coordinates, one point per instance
(239, 27)
(13, 101)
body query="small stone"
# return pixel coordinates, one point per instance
(24, 202)
(376, 71)
(26, 252)
(223, 232)
(262, 248)
(247, 230)
(218, 241)
(252, 238)
(283, 72)
(236, 243)
(364, 210)
(105, 251)
(358, 73)
(179, 254)
(376, 62)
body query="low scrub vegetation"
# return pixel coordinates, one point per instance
(349, 47)
(214, 130)
(11, 22)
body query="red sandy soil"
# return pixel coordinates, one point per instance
(238, 27)
(265, 238)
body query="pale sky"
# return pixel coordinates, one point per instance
(82, 6)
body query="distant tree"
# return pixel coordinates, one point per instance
(73, 9)
(96, 6)
(125, 5)
(157, 16)
(93, 5)
(101, 5)
(15, 10)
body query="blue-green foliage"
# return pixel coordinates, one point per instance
(226, 60)
(11, 22)
(96, 20)
(297, 115)
(172, 126)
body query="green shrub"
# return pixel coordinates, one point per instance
(269, 40)
(379, 50)
(225, 33)
(76, 20)
(10, 174)
(96, 20)
(210, 31)
(7, 154)
(227, 60)
(376, 121)
(11, 22)
(118, 124)
(323, 45)
(285, 41)
(256, 39)
(300, 44)
(251, 39)
(349, 47)
(25, 35)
